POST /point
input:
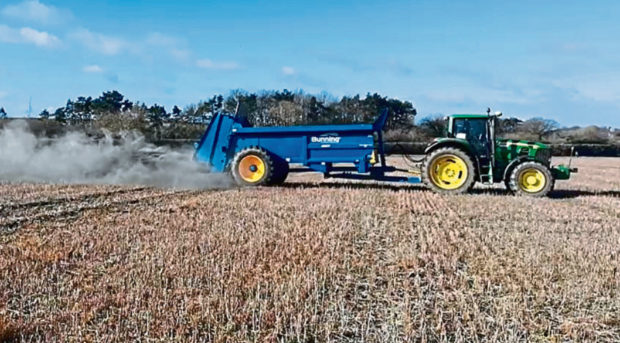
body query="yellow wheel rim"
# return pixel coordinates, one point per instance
(532, 180)
(251, 168)
(448, 172)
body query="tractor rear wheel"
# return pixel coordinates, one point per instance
(531, 179)
(449, 171)
(252, 167)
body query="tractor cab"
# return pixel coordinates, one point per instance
(476, 129)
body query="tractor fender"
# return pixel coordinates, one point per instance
(449, 142)
(515, 163)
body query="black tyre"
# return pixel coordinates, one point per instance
(252, 167)
(449, 171)
(280, 172)
(531, 179)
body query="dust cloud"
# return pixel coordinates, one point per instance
(78, 159)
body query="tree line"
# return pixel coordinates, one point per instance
(268, 108)
(113, 112)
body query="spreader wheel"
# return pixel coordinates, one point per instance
(280, 172)
(531, 179)
(449, 171)
(252, 167)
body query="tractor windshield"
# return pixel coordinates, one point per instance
(475, 132)
(473, 129)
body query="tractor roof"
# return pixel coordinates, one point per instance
(469, 116)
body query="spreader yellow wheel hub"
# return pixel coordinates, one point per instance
(251, 168)
(448, 172)
(532, 180)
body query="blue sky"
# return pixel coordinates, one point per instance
(557, 59)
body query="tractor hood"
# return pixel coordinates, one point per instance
(521, 143)
(510, 149)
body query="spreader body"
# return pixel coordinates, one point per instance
(351, 151)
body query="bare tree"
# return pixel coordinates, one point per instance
(539, 127)
(509, 125)
(285, 112)
(590, 134)
(435, 125)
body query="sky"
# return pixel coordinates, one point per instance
(552, 59)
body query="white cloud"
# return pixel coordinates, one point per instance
(92, 69)
(173, 45)
(153, 45)
(9, 35)
(160, 39)
(180, 54)
(106, 45)
(3, 94)
(464, 92)
(33, 10)
(221, 65)
(288, 70)
(600, 88)
(27, 35)
(38, 38)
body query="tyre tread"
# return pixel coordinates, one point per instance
(469, 183)
(264, 155)
(514, 176)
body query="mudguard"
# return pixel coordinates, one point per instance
(444, 142)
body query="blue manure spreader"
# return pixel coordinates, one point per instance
(262, 155)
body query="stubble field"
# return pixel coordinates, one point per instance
(312, 261)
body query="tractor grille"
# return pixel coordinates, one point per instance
(544, 155)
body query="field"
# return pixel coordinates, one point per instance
(312, 261)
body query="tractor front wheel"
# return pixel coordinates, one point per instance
(531, 179)
(252, 167)
(449, 171)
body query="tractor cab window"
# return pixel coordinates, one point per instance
(470, 129)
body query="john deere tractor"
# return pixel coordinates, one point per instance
(472, 153)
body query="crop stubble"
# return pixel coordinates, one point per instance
(312, 261)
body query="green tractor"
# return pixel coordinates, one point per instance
(472, 153)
